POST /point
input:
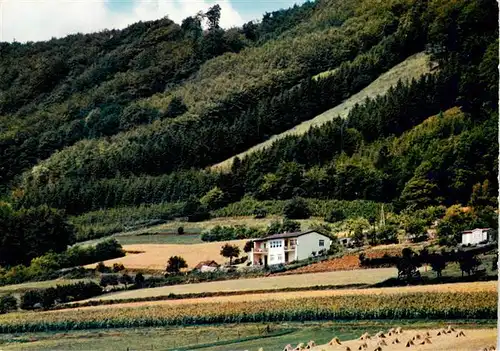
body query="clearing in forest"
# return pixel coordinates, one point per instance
(412, 68)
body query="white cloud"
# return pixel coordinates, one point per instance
(37, 20)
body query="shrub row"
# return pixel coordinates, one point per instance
(52, 265)
(223, 233)
(317, 208)
(46, 298)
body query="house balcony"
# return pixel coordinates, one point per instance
(290, 248)
(260, 250)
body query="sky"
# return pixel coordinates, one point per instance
(39, 20)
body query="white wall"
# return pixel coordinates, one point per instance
(308, 243)
(275, 255)
(475, 237)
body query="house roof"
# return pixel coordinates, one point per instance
(287, 235)
(471, 230)
(206, 263)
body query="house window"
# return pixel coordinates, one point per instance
(276, 243)
(271, 257)
(280, 257)
(321, 243)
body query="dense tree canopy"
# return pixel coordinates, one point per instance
(29, 233)
(131, 118)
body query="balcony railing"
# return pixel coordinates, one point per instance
(290, 247)
(260, 250)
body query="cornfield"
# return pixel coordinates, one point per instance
(473, 305)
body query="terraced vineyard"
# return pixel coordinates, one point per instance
(481, 305)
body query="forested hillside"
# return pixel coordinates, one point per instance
(135, 117)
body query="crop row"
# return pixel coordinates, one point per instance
(471, 305)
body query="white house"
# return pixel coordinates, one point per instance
(475, 236)
(288, 247)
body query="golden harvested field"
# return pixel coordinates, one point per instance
(423, 340)
(457, 287)
(368, 276)
(155, 257)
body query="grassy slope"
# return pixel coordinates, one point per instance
(413, 67)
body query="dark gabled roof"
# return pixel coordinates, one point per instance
(287, 235)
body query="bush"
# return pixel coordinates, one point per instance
(101, 268)
(117, 267)
(419, 238)
(46, 298)
(358, 236)
(289, 226)
(260, 213)
(240, 260)
(213, 199)
(385, 235)
(8, 303)
(230, 251)
(80, 256)
(30, 298)
(175, 264)
(224, 233)
(180, 231)
(248, 246)
(277, 268)
(297, 208)
(384, 261)
(126, 279)
(430, 214)
(199, 216)
(108, 279)
(139, 280)
(335, 215)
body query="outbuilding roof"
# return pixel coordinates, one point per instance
(206, 263)
(471, 230)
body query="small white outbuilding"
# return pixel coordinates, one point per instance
(475, 236)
